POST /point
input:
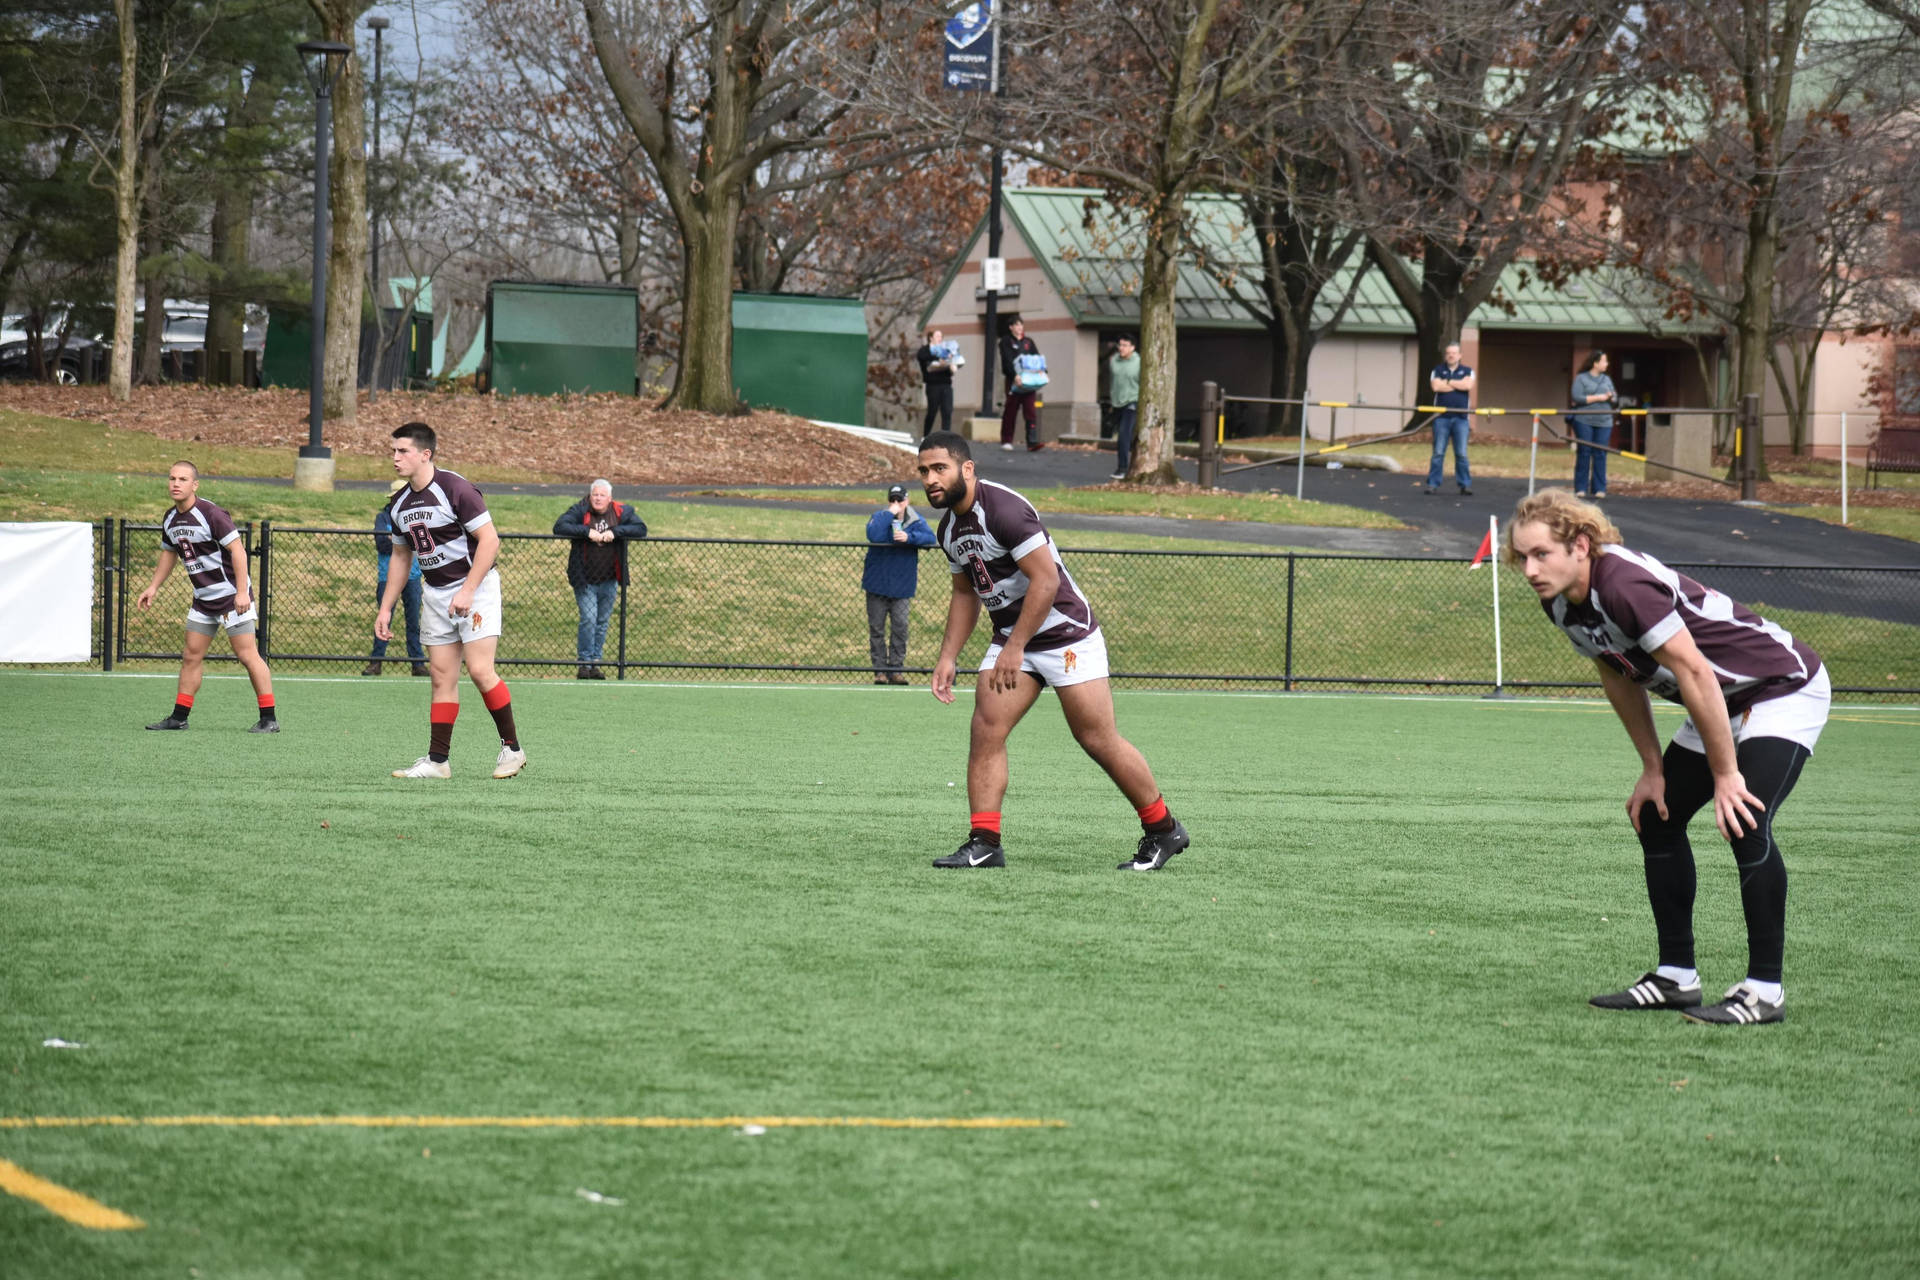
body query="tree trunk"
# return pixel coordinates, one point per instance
(1291, 344)
(154, 287)
(126, 212)
(705, 382)
(627, 232)
(229, 249)
(1152, 460)
(347, 255)
(1755, 317)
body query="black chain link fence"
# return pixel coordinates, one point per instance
(709, 608)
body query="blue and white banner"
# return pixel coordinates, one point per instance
(972, 64)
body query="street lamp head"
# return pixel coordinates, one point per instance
(378, 23)
(324, 60)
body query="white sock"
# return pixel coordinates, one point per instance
(1685, 977)
(1771, 992)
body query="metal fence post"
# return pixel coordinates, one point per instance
(1291, 561)
(1533, 454)
(1211, 410)
(1300, 463)
(106, 594)
(620, 666)
(120, 591)
(263, 590)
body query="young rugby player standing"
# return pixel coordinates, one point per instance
(443, 520)
(1756, 701)
(202, 536)
(1044, 633)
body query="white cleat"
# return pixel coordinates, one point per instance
(425, 767)
(512, 760)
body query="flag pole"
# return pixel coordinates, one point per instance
(1493, 576)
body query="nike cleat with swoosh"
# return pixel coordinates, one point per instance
(974, 853)
(1156, 848)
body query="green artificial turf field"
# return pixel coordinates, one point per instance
(1346, 1034)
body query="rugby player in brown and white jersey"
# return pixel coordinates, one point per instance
(1044, 634)
(441, 518)
(203, 538)
(1756, 700)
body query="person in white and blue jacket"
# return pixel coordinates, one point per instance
(409, 597)
(1592, 389)
(895, 534)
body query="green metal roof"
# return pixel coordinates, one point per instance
(1091, 253)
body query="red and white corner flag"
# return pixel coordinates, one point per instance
(1486, 547)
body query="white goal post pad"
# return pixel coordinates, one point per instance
(46, 592)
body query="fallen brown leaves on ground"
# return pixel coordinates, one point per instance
(572, 437)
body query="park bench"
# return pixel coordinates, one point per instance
(1894, 449)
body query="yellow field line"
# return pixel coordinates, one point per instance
(528, 1122)
(67, 1204)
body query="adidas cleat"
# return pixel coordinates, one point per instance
(264, 725)
(170, 722)
(974, 853)
(1742, 1007)
(1651, 992)
(425, 767)
(512, 760)
(1156, 848)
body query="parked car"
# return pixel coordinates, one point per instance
(63, 360)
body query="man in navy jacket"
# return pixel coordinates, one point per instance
(597, 565)
(895, 534)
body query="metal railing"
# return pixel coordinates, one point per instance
(713, 607)
(1214, 401)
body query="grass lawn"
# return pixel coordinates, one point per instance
(1895, 522)
(1263, 508)
(1345, 1034)
(33, 442)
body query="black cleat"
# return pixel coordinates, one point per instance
(974, 853)
(1651, 992)
(264, 725)
(170, 722)
(1742, 1007)
(1156, 848)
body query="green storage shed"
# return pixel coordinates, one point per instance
(546, 339)
(801, 354)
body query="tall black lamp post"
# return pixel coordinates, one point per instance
(378, 26)
(324, 60)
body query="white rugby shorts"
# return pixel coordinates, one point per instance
(437, 626)
(1797, 717)
(1076, 663)
(234, 624)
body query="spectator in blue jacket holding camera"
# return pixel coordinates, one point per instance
(895, 534)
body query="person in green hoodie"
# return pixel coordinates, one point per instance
(1123, 394)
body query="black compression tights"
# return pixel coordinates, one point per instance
(1770, 767)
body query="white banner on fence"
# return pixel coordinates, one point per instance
(46, 592)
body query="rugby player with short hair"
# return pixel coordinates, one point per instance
(202, 536)
(1044, 634)
(441, 518)
(1756, 701)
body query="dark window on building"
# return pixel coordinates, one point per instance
(1906, 381)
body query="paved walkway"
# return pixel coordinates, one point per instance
(1443, 525)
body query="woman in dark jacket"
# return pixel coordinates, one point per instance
(597, 565)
